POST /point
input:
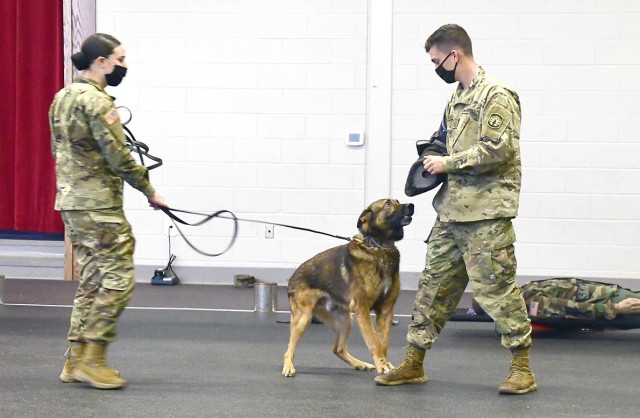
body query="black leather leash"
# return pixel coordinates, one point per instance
(207, 218)
(219, 214)
(138, 146)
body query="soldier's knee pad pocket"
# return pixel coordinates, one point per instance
(498, 264)
(120, 284)
(112, 229)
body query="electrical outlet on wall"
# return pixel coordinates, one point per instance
(269, 231)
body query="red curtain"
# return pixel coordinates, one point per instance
(31, 72)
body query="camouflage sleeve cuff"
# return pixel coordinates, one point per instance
(148, 190)
(459, 161)
(449, 164)
(608, 310)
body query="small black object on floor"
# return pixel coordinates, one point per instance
(166, 276)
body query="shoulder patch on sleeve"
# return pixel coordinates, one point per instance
(111, 116)
(495, 120)
(498, 115)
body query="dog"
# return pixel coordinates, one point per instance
(358, 277)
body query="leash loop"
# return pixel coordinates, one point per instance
(207, 217)
(138, 146)
(226, 214)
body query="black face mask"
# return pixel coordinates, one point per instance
(449, 76)
(116, 76)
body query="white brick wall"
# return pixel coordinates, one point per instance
(249, 102)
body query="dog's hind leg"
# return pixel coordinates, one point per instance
(340, 322)
(300, 319)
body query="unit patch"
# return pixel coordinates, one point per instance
(495, 120)
(111, 117)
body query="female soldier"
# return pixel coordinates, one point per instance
(92, 160)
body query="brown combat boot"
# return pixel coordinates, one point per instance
(73, 355)
(93, 369)
(521, 379)
(409, 371)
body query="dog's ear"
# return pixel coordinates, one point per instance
(364, 217)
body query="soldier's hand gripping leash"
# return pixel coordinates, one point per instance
(143, 150)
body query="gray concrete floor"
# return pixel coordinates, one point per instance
(206, 363)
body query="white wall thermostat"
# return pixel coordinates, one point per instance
(355, 139)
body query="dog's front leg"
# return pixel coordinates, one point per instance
(372, 339)
(384, 318)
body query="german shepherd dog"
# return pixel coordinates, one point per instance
(358, 277)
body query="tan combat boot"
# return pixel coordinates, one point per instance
(73, 355)
(521, 379)
(409, 371)
(93, 369)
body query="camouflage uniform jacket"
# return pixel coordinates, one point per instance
(567, 297)
(483, 166)
(89, 146)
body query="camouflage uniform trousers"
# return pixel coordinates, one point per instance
(103, 245)
(481, 252)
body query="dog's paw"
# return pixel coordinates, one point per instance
(288, 371)
(385, 367)
(364, 366)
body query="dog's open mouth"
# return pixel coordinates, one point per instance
(406, 220)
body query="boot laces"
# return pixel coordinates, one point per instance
(517, 372)
(409, 364)
(406, 364)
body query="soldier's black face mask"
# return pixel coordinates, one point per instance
(449, 76)
(115, 77)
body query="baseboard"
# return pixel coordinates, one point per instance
(224, 276)
(45, 266)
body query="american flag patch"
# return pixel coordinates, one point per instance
(111, 117)
(533, 309)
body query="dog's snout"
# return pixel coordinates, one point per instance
(408, 209)
(406, 213)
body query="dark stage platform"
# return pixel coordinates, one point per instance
(184, 356)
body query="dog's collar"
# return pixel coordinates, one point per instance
(371, 242)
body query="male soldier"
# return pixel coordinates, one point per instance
(472, 239)
(92, 159)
